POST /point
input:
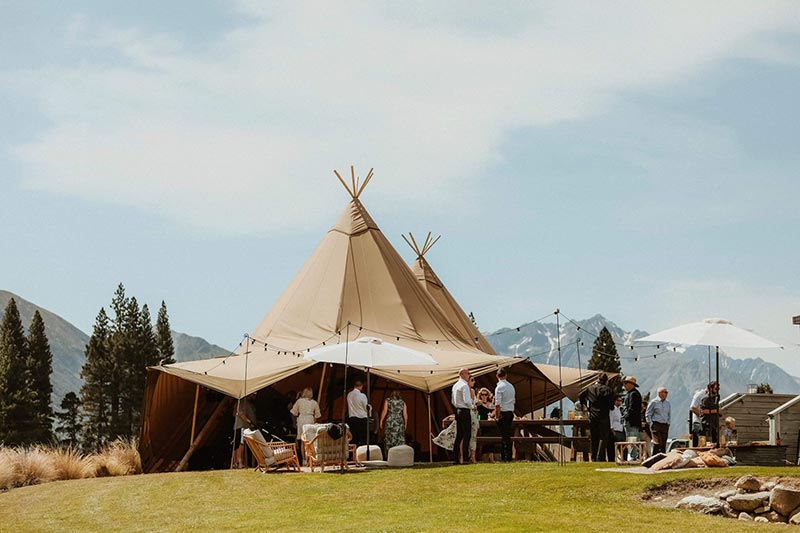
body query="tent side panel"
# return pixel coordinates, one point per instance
(167, 421)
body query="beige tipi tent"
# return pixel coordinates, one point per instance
(355, 283)
(431, 282)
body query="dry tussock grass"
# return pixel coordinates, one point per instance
(9, 474)
(40, 464)
(35, 465)
(120, 458)
(71, 464)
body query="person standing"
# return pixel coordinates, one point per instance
(395, 416)
(617, 429)
(245, 413)
(504, 401)
(306, 410)
(658, 416)
(632, 412)
(705, 413)
(462, 403)
(358, 413)
(599, 398)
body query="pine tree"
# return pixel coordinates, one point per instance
(605, 356)
(119, 349)
(98, 387)
(40, 368)
(17, 409)
(69, 420)
(166, 348)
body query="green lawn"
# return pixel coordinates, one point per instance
(484, 497)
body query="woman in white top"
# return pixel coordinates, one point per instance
(306, 409)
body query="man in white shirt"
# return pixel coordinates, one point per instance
(504, 400)
(358, 413)
(462, 402)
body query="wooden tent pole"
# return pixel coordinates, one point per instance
(544, 408)
(430, 430)
(194, 414)
(202, 435)
(321, 384)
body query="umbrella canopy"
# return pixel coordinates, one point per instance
(370, 352)
(712, 332)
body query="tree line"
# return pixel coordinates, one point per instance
(109, 404)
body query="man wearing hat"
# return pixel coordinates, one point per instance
(632, 412)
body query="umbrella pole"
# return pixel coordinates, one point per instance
(344, 397)
(430, 430)
(717, 365)
(369, 412)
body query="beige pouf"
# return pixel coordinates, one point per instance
(401, 456)
(375, 453)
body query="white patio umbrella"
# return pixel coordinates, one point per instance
(369, 352)
(711, 332)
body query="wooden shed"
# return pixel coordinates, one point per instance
(784, 421)
(751, 412)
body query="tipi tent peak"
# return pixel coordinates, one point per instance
(427, 245)
(356, 186)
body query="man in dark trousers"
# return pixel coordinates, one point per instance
(600, 400)
(632, 412)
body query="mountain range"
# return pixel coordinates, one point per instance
(681, 371)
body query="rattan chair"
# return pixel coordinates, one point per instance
(271, 454)
(323, 450)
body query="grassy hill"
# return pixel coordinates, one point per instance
(484, 497)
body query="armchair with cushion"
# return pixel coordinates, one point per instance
(320, 449)
(271, 454)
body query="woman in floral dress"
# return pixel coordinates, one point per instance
(395, 418)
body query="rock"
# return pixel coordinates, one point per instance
(701, 504)
(748, 484)
(725, 495)
(748, 502)
(763, 509)
(745, 516)
(760, 519)
(795, 518)
(768, 485)
(784, 499)
(774, 517)
(727, 512)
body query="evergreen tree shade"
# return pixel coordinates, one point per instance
(17, 408)
(99, 388)
(605, 357)
(40, 368)
(69, 425)
(166, 348)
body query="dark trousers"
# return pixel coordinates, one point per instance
(463, 434)
(660, 433)
(505, 424)
(358, 427)
(600, 433)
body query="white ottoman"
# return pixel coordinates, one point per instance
(401, 456)
(375, 453)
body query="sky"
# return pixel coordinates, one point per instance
(637, 160)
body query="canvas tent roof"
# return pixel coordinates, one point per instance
(438, 291)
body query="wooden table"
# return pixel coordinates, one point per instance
(538, 432)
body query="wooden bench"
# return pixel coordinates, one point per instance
(567, 441)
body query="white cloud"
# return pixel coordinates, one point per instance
(242, 138)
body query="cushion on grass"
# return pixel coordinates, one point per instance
(401, 456)
(668, 462)
(375, 453)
